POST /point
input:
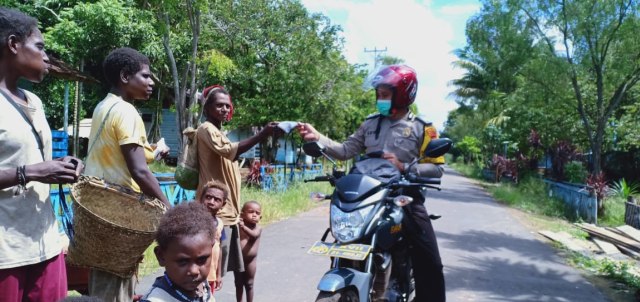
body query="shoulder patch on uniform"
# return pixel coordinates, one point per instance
(373, 115)
(431, 132)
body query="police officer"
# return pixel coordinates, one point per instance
(401, 137)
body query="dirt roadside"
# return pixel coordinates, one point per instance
(612, 289)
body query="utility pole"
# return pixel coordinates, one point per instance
(376, 56)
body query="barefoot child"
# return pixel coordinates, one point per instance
(214, 197)
(249, 240)
(185, 239)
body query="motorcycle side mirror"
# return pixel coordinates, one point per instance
(438, 147)
(314, 149)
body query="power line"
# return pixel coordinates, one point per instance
(376, 54)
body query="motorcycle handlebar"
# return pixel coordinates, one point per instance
(319, 178)
(424, 180)
(428, 180)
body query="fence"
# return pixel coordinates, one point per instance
(278, 177)
(170, 188)
(59, 143)
(578, 200)
(273, 179)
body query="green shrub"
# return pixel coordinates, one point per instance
(470, 147)
(623, 189)
(575, 172)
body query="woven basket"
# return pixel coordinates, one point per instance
(113, 226)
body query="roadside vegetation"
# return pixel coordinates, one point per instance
(530, 195)
(540, 94)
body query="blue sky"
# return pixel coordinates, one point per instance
(422, 33)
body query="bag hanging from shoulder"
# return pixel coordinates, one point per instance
(106, 237)
(187, 173)
(67, 214)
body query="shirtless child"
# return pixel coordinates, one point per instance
(249, 240)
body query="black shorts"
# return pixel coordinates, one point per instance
(231, 250)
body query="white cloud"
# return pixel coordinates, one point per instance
(459, 10)
(422, 35)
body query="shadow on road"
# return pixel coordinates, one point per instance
(491, 242)
(491, 277)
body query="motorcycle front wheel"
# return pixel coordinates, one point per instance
(344, 295)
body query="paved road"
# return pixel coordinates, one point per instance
(488, 255)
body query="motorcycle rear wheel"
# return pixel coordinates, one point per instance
(344, 295)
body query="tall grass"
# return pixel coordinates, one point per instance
(529, 195)
(614, 213)
(473, 171)
(280, 205)
(161, 167)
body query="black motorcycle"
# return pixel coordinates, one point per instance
(370, 260)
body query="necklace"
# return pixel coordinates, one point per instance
(183, 296)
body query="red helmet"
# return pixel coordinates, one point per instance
(404, 81)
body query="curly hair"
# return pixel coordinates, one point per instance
(125, 59)
(214, 184)
(13, 22)
(250, 202)
(185, 219)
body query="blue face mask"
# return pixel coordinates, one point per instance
(384, 107)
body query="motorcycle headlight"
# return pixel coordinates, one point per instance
(348, 226)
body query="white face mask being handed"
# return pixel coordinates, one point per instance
(384, 107)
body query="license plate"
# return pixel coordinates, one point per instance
(346, 251)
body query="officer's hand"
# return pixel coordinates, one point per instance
(308, 133)
(394, 160)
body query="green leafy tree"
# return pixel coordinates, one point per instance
(627, 130)
(599, 52)
(278, 61)
(470, 148)
(522, 55)
(289, 64)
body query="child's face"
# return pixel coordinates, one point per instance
(251, 213)
(214, 199)
(187, 260)
(140, 84)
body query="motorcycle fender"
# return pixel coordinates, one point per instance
(339, 278)
(389, 229)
